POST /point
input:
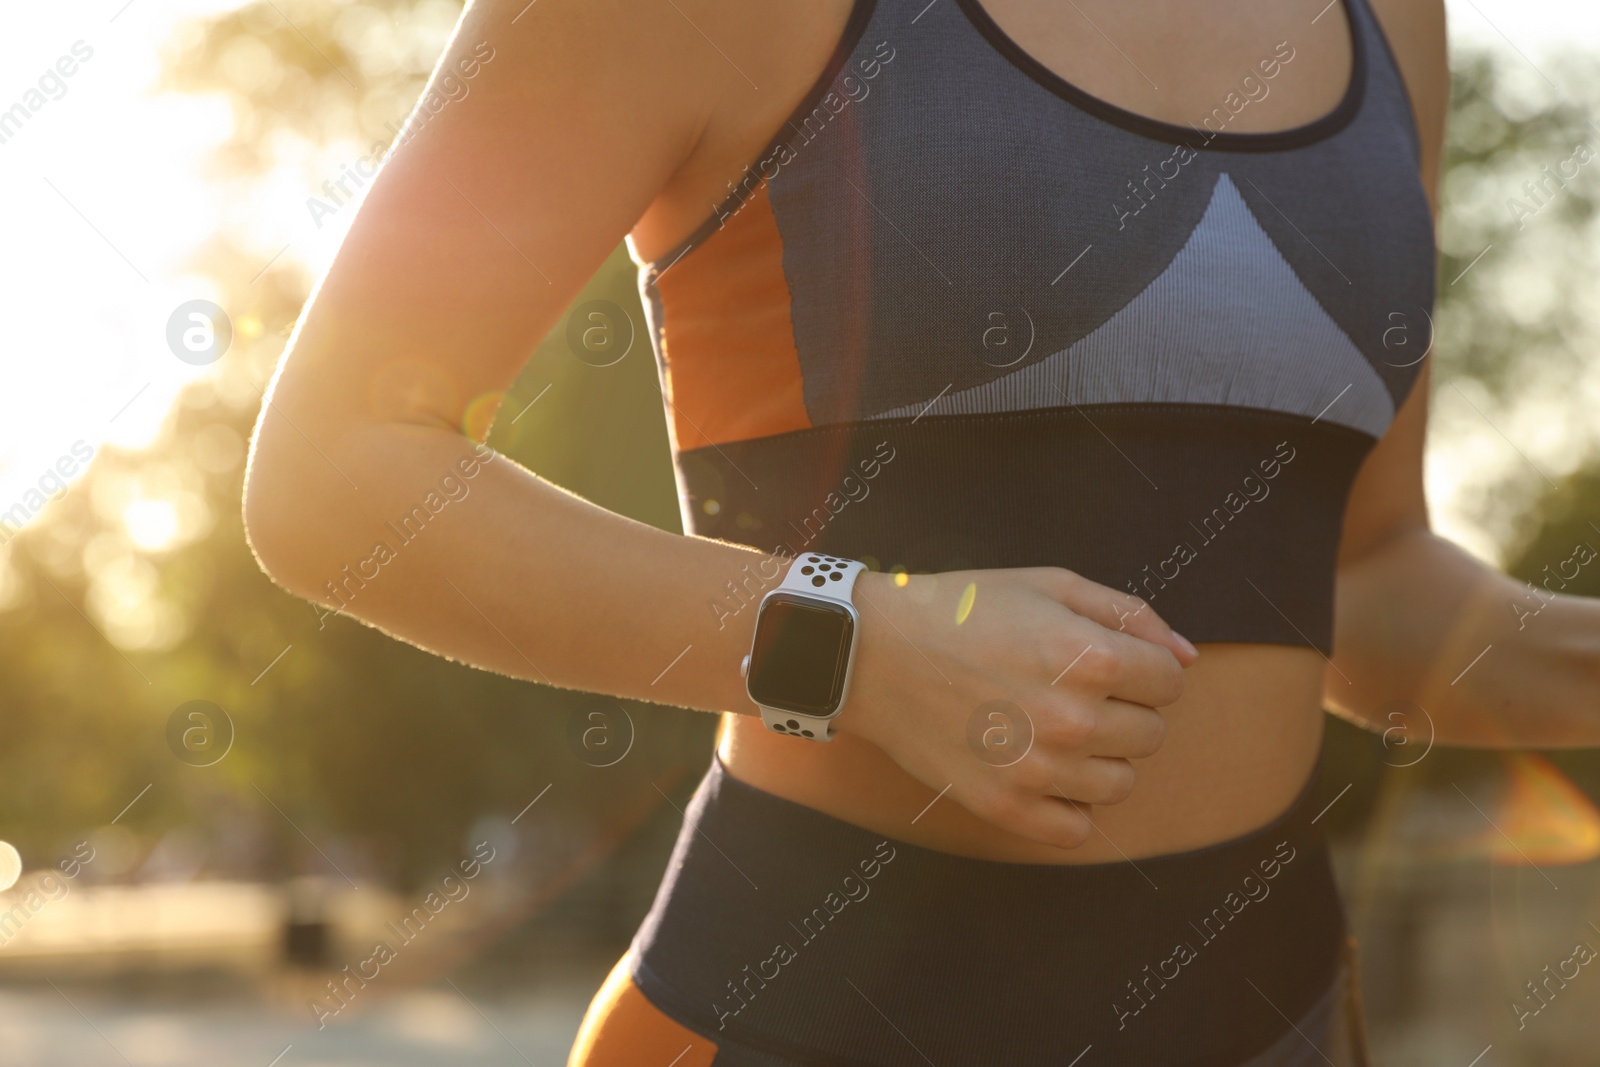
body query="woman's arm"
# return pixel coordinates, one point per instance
(365, 490)
(1417, 618)
(1420, 620)
(474, 238)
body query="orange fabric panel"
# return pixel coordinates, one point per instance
(732, 368)
(623, 1029)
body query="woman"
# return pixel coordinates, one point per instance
(1092, 332)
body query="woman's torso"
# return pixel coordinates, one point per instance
(1239, 746)
(1242, 740)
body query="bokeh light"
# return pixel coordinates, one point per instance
(10, 865)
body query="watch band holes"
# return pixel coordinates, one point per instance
(819, 580)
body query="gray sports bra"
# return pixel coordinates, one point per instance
(960, 313)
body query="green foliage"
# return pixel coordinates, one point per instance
(1559, 548)
(1519, 320)
(1517, 311)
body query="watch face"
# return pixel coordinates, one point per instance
(800, 655)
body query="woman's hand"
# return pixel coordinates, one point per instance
(1024, 693)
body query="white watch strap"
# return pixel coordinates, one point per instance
(827, 578)
(822, 576)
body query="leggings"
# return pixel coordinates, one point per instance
(782, 936)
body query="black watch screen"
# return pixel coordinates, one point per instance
(800, 655)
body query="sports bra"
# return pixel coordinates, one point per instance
(960, 313)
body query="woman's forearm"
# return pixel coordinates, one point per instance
(1490, 661)
(414, 529)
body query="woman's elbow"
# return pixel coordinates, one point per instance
(278, 525)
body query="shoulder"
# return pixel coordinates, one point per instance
(1416, 32)
(599, 51)
(723, 55)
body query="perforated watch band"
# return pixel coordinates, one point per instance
(826, 578)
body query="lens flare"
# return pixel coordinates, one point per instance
(479, 415)
(969, 596)
(1541, 818)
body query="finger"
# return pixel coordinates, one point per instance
(1124, 613)
(1125, 730)
(1095, 780)
(1086, 779)
(1038, 818)
(1119, 729)
(1115, 664)
(1085, 808)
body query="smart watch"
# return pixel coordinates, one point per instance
(798, 669)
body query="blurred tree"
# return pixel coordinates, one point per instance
(1521, 309)
(383, 755)
(1560, 547)
(1515, 313)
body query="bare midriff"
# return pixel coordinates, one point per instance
(1239, 747)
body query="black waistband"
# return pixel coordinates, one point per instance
(782, 930)
(1220, 553)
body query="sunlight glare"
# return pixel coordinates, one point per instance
(151, 524)
(1542, 818)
